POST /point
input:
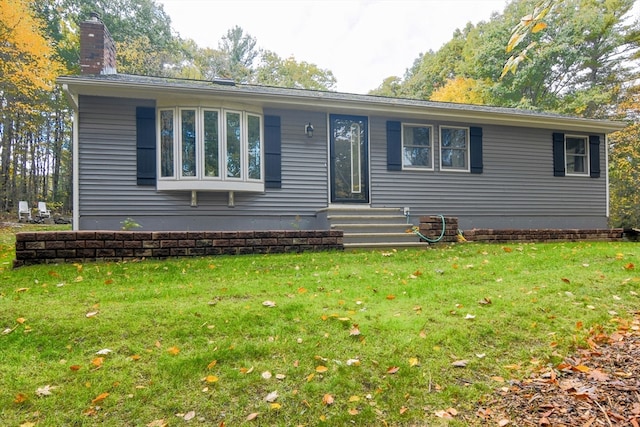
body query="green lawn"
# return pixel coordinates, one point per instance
(362, 338)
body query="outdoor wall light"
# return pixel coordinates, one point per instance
(308, 129)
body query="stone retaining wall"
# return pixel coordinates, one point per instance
(82, 246)
(431, 227)
(542, 235)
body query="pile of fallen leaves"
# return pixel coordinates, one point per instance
(599, 386)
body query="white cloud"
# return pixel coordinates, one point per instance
(361, 41)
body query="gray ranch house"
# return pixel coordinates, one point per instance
(177, 154)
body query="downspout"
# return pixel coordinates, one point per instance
(606, 171)
(76, 172)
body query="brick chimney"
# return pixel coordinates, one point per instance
(97, 48)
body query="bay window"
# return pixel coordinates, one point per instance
(210, 149)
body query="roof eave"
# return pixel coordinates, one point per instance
(333, 101)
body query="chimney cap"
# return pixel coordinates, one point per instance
(94, 16)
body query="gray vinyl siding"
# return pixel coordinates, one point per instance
(108, 191)
(517, 188)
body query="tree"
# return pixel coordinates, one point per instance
(624, 165)
(240, 52)
(275, 71)
(461, 90)
(28, 67)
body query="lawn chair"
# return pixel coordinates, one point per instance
(43, 212)
(24, 211)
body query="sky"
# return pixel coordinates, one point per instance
(361, 42)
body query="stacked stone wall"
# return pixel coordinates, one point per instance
(82, 246)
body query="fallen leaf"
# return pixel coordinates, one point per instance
(252, 416)
(173, 350)
(20, 397)
(92, 314)
(353, 411)
(97, 362)
(28, 424)
(460, 363)
(484, 301)
(275, 406)
(75, 367)
(354, 331)
(353, 362)
(21, 320)
(469, 316)
(157, 423)
(413, 361)
(354, 399)
(392, 370)
(507, 249)
(269, 304)
(321, 368)
(211, 379)
(135, 357)
(266, 375)
(391, 297)
(443, 414)
(280, 376)
(327, 399)
(212, 364)
(271, 397)
(629, 266)
(565, 280)
(22, 289)
(103, 352)
(189, 415)
(99, 398)
(403, 410)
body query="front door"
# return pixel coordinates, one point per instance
(349, 159)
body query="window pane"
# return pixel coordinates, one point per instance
(576, 155)
(166, 143)
(253, 133)
(233, 145)
(454, 149)
(211, 144)
(188, 118)
(454, 138)
(416, 150)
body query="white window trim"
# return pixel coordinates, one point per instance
(431, 147)
(200, 182)
(587, 163)
(468, 150)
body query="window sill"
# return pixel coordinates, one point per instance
(256, 187)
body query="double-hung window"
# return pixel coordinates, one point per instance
(454, 148)
(210, 149)
(576, 155)
(417, 146)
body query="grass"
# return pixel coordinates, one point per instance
(374, 332)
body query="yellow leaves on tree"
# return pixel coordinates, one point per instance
(27, 63)
(461, 90)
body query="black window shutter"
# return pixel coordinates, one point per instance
(394, 146)
(594, 156)
(272, 152)
(558, 154)
(475, 149)
(146, 145)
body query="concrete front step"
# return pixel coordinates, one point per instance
(383, 245)
(372, 227)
